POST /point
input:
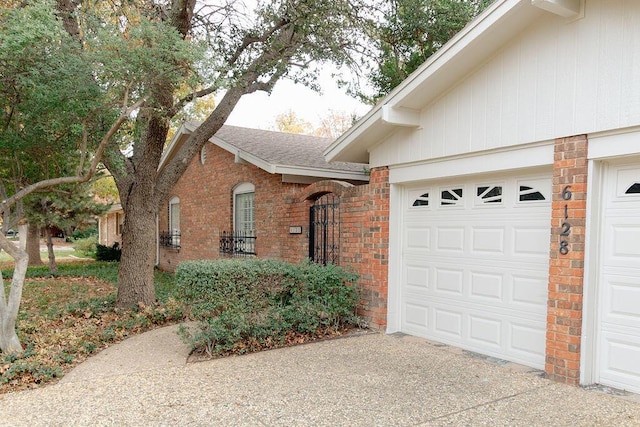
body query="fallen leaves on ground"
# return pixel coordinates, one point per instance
(64, 320)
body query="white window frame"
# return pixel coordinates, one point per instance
(243, 189)
(174, 221)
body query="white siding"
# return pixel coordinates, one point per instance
(557, 79)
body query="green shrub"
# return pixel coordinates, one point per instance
(245, 305)
(87, 246)
(108, 253)
(85, 233)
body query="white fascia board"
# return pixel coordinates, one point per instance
(353, 135)
(320, 173)
(529, 156)
(564, 8)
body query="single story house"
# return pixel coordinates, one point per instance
(110, 226)
(234, 198)
(268, 194)
(512, 158)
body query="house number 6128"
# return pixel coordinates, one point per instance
(566, 226)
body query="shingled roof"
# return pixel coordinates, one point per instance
(282, 153)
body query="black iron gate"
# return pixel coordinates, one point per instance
(324, 236)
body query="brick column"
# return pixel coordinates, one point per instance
(566, 263)
(365, 243)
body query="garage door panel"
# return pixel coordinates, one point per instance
(619, 360)
(450, 239)
(486, 331)
(448, 280)
(448, 322)
(624, 238)
(488, 240)
(487, 286)
(418, 238)
(475, 266)
(527, 338)
(529, 290)
(476, 328)
(620, 303)
(618, 331)
(416, 317)
(417, 276)
(529, 241)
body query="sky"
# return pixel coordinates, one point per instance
(259, 110)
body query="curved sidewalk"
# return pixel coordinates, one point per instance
(366, 380)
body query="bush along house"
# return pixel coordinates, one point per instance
(273, 195)
(511, 167)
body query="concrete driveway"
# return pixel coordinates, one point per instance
(366, 380)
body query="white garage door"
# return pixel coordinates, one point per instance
(475, 261)
(619, 284)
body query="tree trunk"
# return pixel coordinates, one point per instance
(9, 341)
(53, 268)
(33, 245)
(135, 275)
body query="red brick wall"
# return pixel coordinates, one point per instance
(206, 206)
(364, 236)
(205, 193)
(566, 264)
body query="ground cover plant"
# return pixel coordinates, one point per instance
(68, 317)
(249, 305)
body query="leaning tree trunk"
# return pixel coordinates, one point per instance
(53, 268)
(135, 275)
(9, 341)
(33, 245)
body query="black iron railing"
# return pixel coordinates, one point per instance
(170, 240)
(238, 243)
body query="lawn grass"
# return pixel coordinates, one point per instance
(65, 318)
(44, 255)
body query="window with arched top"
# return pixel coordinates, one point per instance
(171, 238)
(242, 241)
(243, 208)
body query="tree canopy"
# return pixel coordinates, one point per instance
(408, 33)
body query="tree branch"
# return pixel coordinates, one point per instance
(80, 177)
(184, 101)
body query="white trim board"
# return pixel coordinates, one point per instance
(540, 154)
(622, 142)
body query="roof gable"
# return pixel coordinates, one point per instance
(465, 52)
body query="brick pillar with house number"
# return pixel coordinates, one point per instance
(566, 263)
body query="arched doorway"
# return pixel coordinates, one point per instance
(324, 226)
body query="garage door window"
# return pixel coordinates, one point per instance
(489, 194)
(421, 200)
(451, 197)
(634, 189)
(530, 194)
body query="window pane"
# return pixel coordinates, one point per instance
(174, 217)
(244, 212)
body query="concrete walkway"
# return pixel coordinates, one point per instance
(366, 380)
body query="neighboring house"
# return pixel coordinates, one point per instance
(110, 226)
(273, 195)
(512, 158)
